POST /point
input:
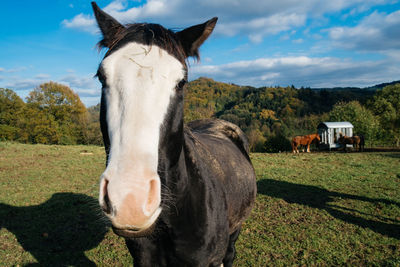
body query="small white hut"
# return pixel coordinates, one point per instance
(329, 132)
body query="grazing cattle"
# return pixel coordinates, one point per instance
(357, 141)
(306, 141)
(177, 193)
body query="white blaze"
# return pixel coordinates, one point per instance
(141, 80)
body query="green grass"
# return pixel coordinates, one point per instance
(319, 209)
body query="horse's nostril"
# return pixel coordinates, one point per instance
(153, 198)
(106, 207)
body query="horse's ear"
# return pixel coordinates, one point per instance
(109, 26)
(192, 37)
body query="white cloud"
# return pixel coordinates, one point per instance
(42, 76)
(81, 22)
(298, 41)
(19, 69)
(86, 86)
(258, 28)
(21, 84)
(75, 81)
(301, 71)
(252, 18)
(377, 32)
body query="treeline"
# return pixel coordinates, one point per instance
(270, 116)
(52, 114)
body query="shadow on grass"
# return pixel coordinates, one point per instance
(58, 231)
(316, 197)
(391, 155)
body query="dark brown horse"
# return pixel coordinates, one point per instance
(177, 193)
(305, 140)
(357, 141)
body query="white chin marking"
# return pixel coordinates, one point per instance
(140, 80)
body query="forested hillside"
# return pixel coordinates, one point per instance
(270, 116)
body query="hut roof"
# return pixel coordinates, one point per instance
(335, 124)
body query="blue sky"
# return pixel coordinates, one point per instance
(310, 43)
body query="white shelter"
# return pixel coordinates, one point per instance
(329, 133)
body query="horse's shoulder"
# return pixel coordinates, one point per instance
(219, 129)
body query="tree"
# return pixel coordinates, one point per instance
(11, 114)
(41, 127)
(256, 140)
(277, 143)
(94, 136)
(268, 114)
(66, 114)
(363, 120)
(386, 106)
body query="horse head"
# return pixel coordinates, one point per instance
(143, 75)
(318, 140)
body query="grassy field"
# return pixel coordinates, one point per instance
(319, 209)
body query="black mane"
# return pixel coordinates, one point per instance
(147, 34)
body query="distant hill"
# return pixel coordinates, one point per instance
(381, 86)
(206, 96)
(371, 88)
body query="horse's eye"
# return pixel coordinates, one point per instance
(100, 76)
(181, 84)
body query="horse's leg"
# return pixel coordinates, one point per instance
(231, 251)
(308, 147)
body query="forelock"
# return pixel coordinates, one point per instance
(147, 34)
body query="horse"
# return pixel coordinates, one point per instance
(357, 141)
(178, 193)
(362, 142)
(305, 140)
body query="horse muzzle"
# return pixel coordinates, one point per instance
(134, 233)
(133, 208)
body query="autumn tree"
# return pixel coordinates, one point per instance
(11, 114)
(386, 106)
(57, 114)
(94, 136)
(363, 120)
